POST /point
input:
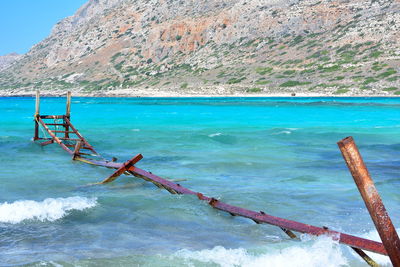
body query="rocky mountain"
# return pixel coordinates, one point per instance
(7, 60)
(331, 47)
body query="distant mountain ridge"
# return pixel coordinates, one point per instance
(7, 60)
(213, 47)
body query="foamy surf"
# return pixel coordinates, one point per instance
(380, 259)
(214, 134)
(279, 131)
(50, 209)
(321, 252)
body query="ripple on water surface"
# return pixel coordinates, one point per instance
(278, 155)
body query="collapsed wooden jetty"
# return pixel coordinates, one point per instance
(60, 130)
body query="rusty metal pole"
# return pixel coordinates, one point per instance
(68, 113)
(37, 112)
(371, 198)
(78, 147)
(68, 108)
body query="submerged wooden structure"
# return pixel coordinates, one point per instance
(59, 129)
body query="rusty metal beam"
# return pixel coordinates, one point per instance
(61, 131)
(68, 107)
(58, 141)
(37, 103)
(78, 147)
(124, 167)
(365, 257)
(47, 117)
(289, 233)
(56, 124)
(107, 164)
(261, 217)
(37, 112)
(68, 113)
(371, 198)
(47, 142)
(69, 124)
(342, 238)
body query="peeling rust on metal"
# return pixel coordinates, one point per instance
(124, 168)
(213, 202)
(371, 198)
(365, 257)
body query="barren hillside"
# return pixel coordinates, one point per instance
(214, 47)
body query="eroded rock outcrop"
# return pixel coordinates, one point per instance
(244, 46)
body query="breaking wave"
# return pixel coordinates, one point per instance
(278, 131)
(50, 209)
(322, 252)
(380, 259)
(214, 134)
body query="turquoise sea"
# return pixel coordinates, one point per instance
(278, 155)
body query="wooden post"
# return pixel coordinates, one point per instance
(37, 112)
(371, 198)
(68, 113)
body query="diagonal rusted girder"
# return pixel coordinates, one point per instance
(261, 217)
(124, 167)
(371, 198)
(56, 139)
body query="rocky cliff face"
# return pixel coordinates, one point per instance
(7, 60)
(215, 47)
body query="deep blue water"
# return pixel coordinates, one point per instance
(278, 155)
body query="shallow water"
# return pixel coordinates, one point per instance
(278, 155)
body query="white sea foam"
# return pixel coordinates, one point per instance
(282, 132)
(380, 259)
(135, 130)
(321, 252)
(214, 134)
(285, 131)
(50, 209)
(384, 127)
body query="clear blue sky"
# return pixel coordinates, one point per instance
(24, 23)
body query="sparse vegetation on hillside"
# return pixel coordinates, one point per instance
(353, 53)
